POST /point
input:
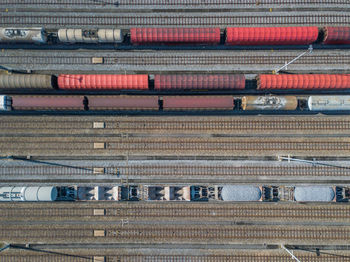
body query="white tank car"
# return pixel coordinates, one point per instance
(23, 35)
(5, 103)
(325, 103)
(90, 36)
(48, 193)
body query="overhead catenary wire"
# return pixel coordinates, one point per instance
(313, 162)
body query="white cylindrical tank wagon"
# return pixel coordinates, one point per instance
(328, 103)
(90, 36)
(48, 193)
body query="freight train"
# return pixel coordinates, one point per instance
(236, 193)
(172, 103)
(174, 82)
(239, 36)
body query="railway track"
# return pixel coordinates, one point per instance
(13, 126)
(84, 211)
(126, 21)
(160, 59)
(178, 170)
(161, 233)
(181, 61)
(172, 146)
(238, 256)
(172, 4)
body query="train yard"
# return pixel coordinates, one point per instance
(152, 130)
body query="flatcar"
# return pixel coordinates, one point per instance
(23, 35)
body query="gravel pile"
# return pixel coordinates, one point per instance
(314, 193)
(240, 193)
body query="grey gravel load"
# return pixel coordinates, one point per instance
(314, 193)
(240, 193)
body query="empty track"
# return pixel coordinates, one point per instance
(162, 59)
(172, 146)
(125, 20)
(16, 125)
(84, 211)
(175, 234)
(139, 256)
(223, 5)
(160, 170)
(180, 61)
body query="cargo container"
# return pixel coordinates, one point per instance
(207, 82)
(123, 102)
(105, 82)
(26, 81)
(271, 35)
(175, 35)
(328, 103)
(336, 35)
(269, 103)
(305, 81)
(47, 102)
(198, 103)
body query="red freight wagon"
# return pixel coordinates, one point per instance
(311, 81)
(48, 102)
(271, 35)
(198, 102)
(123, 102)
(175, 35)
(336, 35)
(112, 82)
(221, 81)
